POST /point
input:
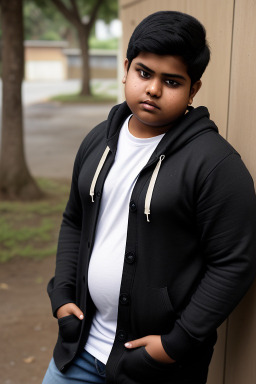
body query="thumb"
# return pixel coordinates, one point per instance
(136, 343)
(77, 312)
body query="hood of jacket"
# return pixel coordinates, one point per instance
(194, 123)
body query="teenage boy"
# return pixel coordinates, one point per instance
(158, 239)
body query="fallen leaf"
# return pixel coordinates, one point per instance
(4, 286)
(29, 360)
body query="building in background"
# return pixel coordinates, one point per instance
(103, 63)
(52, 60)
(44, 60)
(229, 91)
(55, 60)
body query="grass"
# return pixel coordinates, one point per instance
(76, 98)
(101, 93)
(30, 230)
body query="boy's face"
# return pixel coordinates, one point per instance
(158, 91)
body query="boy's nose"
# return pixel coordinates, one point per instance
(154, 88)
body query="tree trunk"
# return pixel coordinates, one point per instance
(83, 36)
(15, 179)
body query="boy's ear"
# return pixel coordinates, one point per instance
(193, 91)
(126, 67)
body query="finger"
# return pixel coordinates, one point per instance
(77, 312)
(136, 343)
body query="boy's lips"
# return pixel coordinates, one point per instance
(149, 105)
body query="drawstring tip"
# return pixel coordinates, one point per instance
(147, 214)
(92, 198)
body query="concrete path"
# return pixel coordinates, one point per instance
(34, 91)
(53, 134)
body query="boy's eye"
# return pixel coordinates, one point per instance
(144, 74)
(172, 83)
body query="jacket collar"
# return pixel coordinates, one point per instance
(187, 128)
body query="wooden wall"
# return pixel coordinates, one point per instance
(241, 132)
(229, 91)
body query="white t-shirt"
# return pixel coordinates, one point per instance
(106, 263)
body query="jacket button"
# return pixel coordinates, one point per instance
(121, 335)
(133, 207)
(98, 194)
(129, 257)
(124, 299)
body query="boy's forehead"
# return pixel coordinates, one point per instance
(161, 63)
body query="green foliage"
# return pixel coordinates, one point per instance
(108, 10)
(43, 21)
(31, 229)
(103, 44)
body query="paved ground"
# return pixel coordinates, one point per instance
(53, 133)
(28, 331)
(37, 91)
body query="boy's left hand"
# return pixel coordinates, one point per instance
(154, 347)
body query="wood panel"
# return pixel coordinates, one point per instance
(217, 366)
(241, 124)
(241, 342)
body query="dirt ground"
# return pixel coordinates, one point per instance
(28, 330)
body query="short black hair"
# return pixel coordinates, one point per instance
(172, 33)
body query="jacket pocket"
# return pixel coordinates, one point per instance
(152, 312)
(69, 328)
(138, 367)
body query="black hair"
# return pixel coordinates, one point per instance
(172, 33)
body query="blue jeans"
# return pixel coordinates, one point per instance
(85, 369)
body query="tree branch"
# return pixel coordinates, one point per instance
(68, 13)
(75, 9)
(94, 14)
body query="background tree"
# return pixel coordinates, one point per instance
(82, 15)
(15, 178)
(71, 20)
(43, 21)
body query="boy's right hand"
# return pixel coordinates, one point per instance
(70, 309)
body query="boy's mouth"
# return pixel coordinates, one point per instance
(149, 105)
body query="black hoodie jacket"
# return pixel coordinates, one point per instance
(184, 270)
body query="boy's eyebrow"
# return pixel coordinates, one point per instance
(164, 74)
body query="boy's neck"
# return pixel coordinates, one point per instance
(142, 131)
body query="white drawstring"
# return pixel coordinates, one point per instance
(97, 172)
(151, 187)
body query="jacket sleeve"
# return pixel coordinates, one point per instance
(226, 220)
(62, 287)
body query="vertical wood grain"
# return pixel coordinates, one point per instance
(241, 341)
